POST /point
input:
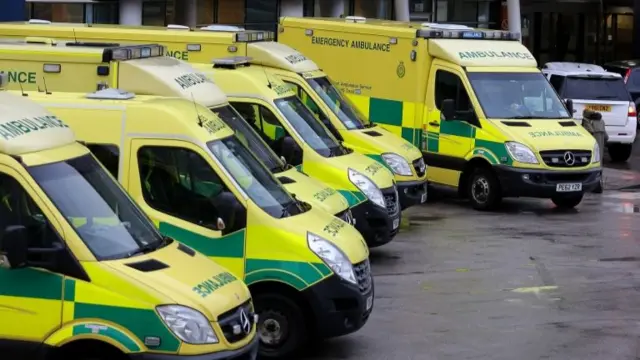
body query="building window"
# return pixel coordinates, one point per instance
(57, 12)
(231, 12)
(154, 12)
(104, 13)
(378, 9)
(206, 12)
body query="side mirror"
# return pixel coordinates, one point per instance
(234, 215)
(291, 151)
(14, 247)
(220, 225)
(448, 109)
(569, 104)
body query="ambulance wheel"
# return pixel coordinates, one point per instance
(619, 152)
(567, 202)
(484, 189)
(281, 326)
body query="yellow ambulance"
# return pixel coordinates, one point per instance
(312, 85)
(203, 187)
(490, 124)
(72, 67)
(85, 274)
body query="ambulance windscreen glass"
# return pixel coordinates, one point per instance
(245, 132)
(517, 96)
(348, 114)
(99, 210)
(254, 178)
(595, 88)
(312, 131)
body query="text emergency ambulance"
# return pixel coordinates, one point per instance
(203, 187)
(85, 274)
(311, 84)
(486, 119)
(81, 67)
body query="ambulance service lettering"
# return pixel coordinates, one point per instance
(212, 126)
(22, 77)
(13, 129)
(295, 58)
(180, 55)
(354, 44)
(334, 227)
(536, 134)
(188, 80)
(373, 168)
(495, 55)
(214, 283)
(323, 194)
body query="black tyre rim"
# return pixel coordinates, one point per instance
(273, 329)
(480, 189)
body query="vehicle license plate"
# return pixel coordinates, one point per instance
(598, 108)
(569, 187)
(369, 303)
(396, 223)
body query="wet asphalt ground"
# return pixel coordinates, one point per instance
(525, 282)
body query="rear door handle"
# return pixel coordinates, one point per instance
(433, 123)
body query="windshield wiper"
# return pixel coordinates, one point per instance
(606, 97)
(149, 247)
(523, 117)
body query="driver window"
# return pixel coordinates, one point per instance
(179, 182)
(449, 86)
(17, 208)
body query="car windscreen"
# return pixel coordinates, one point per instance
(595, 88)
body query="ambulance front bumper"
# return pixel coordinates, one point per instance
(249, 352)
(378, 226)
(517, 182)
(412, 193)
(339, 307)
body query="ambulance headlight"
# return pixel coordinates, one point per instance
(397, 164)
(332, 256)
(187, 324)
(368, 187)
(596, 153)
(521, 153)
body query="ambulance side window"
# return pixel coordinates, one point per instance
(180, 183)
(449, 86)
(108, 155)
(18, 209)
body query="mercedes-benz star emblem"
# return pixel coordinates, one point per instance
(245, 322)
(569, 158)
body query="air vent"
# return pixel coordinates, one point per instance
(567, 123)
(148, 265)
(187, 250)
(517, 123)
(285, 180)
(372, 133)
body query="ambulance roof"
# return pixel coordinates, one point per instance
(182, 110)
(489, 53)
(235, 77)
(280, 56)
(27, 127)
(222, 34)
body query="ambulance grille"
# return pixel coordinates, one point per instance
(363, 275)
(566, 158)
(231, 321)
(391, 200)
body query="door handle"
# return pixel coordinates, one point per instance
(434, 123)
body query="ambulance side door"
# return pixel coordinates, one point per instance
(448, 141)
(31, 298)
(180, 190)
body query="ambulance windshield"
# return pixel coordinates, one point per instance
(312, 131)
(246, 130)
(254, 178)
(101, 213)
(341, 106)
(517, 96)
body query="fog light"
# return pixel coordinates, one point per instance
(406, 191)
(525, 177)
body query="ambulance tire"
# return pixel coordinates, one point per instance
(619, 152)
(483, 189)
(567, 202)
(282, 314)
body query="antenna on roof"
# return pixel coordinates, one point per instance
(75, 39)
(46, 91)
(21, 89)
(195, 106)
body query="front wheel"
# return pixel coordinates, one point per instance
(484, 189)
(281, 326)
(619, 152)
(567, 202)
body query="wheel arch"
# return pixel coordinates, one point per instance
(98, 332)
(474, 162)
